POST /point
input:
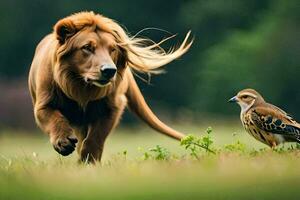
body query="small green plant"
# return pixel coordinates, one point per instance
(207, 140)
(236, 147)
(160, 153)
(196, 144)
(156, 153)
(146, 156)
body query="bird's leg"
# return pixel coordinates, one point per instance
(274, 144)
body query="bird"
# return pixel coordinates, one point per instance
(265, 122)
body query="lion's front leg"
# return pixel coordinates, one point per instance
(60, 132)
(92, 145)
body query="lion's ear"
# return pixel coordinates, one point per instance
(64, 29)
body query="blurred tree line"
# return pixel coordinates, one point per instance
(238, 44)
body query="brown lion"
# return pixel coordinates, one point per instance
(81, 80)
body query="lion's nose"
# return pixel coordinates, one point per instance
(108, 71)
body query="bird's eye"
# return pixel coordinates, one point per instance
(245, 97)
(88, 48)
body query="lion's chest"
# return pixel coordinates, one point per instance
(77, 115)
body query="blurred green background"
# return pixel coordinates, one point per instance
(238, 44)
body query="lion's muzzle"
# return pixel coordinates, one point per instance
(108, 72)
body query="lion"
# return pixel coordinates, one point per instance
(81, 79)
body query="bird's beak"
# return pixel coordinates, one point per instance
(233, 100)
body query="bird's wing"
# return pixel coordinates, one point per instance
(287, 116)
(274, 120)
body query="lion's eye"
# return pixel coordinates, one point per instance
(112, 49)
(88, 48)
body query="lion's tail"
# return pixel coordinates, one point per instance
(137, 104)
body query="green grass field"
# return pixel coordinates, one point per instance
(31, 169)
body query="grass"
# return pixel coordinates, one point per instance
(30, 168)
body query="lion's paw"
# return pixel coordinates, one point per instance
(64, 145)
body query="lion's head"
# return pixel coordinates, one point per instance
(93, 52)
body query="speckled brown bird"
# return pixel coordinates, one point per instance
(266, 122)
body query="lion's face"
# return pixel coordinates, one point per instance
(92, 55)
